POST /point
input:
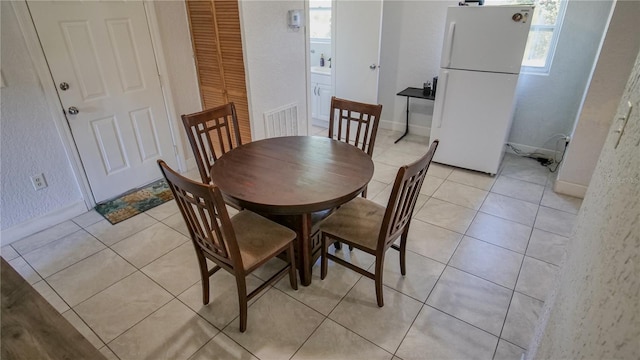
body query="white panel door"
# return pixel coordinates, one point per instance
(357, 49)
(103, 51)
(472, 117)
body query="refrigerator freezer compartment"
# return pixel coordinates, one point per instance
(486, 38)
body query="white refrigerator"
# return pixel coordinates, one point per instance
(481, 57)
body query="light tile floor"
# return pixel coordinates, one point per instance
(482, 255)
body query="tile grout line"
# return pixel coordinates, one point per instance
(504, 322)
(175, 297)
(424, 303)
(452, 255)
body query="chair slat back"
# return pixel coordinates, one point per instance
(354, 123)
(206, 216)
(404, 195)
(212, 133)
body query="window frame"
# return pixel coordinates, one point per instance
(321, 40)
(556, 29)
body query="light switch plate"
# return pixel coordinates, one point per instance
(625, 120)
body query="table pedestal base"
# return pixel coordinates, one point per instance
(308, 244)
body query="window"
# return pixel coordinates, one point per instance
(543, 36)
(320, 20)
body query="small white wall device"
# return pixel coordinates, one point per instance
(294, 19)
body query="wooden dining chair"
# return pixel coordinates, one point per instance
(212, 133)
(372, 228)
(355, 123)
(239, 244)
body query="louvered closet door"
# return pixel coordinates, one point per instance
(217, 42)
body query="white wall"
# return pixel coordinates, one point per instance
(275, 64)
(412, 33)
(546, 105)
(612, 69)
(275, 61)
(30, 142)
(592, 312)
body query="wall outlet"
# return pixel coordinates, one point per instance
(38, 181)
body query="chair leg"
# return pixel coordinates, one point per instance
(242, 300)
(364, 195)
(378, 280)
(403, 257)
(204, 274)
(293, 278)
(323, 257)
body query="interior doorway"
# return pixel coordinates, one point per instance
(321, 33)
(344, 53)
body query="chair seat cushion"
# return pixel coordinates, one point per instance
(357, 221)
(258, 237)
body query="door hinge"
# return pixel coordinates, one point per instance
(175, 150)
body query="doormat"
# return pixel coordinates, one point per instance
(135, 202)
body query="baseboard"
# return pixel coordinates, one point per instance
(387, 125)
(42, 222)
(191, 164)
(320, 123)
(419, 130)
(548, 153)
(571, 189)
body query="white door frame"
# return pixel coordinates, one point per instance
(38, 59)
(307, 61)
(307, 49)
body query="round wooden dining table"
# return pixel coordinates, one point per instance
(290, 178)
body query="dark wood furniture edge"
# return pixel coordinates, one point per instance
(32, 328)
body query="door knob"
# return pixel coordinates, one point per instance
(373, 66)
(73, 110)
(64, 86)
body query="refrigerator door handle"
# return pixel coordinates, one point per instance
(449, 48)
(442, 89)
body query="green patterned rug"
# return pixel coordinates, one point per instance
(135, 202)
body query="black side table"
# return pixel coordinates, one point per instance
(412, 92)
